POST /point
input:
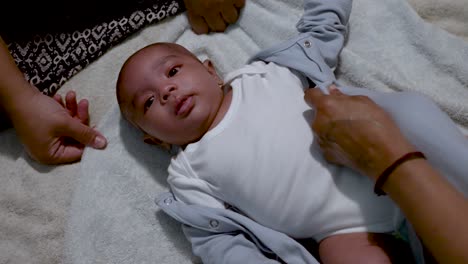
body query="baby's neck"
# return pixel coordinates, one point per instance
(223, 108)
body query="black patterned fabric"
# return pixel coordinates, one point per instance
(49, 60)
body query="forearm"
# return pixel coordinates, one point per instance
(13, 85)
(437, 211)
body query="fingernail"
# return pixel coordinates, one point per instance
(99, 142)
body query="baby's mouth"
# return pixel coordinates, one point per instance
(183, 106)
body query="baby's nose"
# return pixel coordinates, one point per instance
(166, 92)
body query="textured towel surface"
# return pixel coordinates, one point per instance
(112, 218)
(451, 15)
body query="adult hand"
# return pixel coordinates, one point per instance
(54, 131)
(212, 15)
(51, 131)
(355, 132)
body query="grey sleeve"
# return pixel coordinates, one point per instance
(224, 248)
(326, 21)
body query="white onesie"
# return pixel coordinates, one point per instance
(262, 159)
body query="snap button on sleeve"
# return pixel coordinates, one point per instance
(168, 201)
(307, 44)
(214, 223)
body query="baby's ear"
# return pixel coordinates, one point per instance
(208, 64)
(155, 141)
(211, 69)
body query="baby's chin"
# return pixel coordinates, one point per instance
(192, 140)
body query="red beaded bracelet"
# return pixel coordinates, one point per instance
(386, 173)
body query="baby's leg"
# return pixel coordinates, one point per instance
(363, 248)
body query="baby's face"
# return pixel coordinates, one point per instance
(169, 94)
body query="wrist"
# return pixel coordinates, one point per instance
(388, 153)
(13, 86)
(405, 175)
(383, 177)
(12, 100)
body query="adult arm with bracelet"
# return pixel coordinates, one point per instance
(51, 130)
(354, 131)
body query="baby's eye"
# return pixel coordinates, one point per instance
(173, 71)
(148, 103)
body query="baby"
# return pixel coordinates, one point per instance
(246, 142)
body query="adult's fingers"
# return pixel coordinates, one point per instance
(198, 23)
(215, 22)
(330, 156)
(230, 14)
(323, 128)
(84, 134)
(328, 150)
(331, 151)
(313, 95)
(333, 90)
(239, 3)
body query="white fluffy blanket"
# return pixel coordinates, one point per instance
(101, 210)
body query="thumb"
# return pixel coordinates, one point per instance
(313, 95)
(85, 134)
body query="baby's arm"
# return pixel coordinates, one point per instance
(363, 248)
(326, 21)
